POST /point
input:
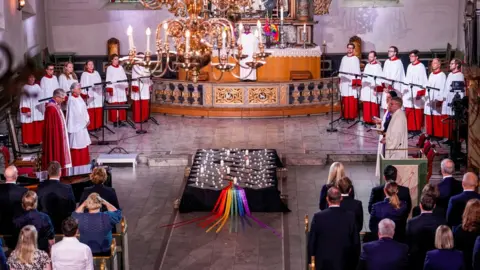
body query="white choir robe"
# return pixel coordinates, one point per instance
(94, 96)
(249, 44)
(48, 85)
(32, 125)
(350, 64)
(433, 110)
(77, 122)
(447, 99)
(369, 95)
(393, 69)
(396, 137)
(116, 92)
(140, 93)
(416, 74)
(65, 82)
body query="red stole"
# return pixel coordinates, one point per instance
(55, 139)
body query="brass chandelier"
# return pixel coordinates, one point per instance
(198, 40)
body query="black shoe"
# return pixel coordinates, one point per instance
(122, 124)
(115, 124)
(448, 142)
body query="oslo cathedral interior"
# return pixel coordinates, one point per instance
(147, 134)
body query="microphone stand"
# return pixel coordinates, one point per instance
(103, 127)
(375, 89)
(331, 128)
(86, 103)
(358, 89)
(140, 86)
(431, 111)
(150, 117)
(128, 120)
(415, 132)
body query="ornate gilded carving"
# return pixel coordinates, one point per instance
(228, 95)
(284, 95)
(321, 7)
(207, 95)
(262, 95)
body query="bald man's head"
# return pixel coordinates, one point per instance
(11, 174)
(470, 181)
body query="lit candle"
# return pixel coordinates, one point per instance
(148, 33)
(130, 36)
(259, 26)
(221, 162)
(304, 27)
(248, 162)
(228, 170)
(165, 29)
(187, 41)
(246, 152)
(324, 42)
(281, 14)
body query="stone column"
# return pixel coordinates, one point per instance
(473, 78)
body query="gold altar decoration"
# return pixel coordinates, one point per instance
(228, 95)
(321, 7)
(358, 46)
(113, 46)
(262, 95)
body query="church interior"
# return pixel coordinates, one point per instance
(223, 134)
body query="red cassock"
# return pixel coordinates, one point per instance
(116, 115)
(140, 111)
(437, 125)
(447, 127)
(349, 105)
(414, 119)
(55, 139)
(31, 132)
(370, 109)
(80, 156)
(95, 115)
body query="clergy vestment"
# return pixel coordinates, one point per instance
(393, 69)
(140, 93)
(249, 44)
(349, 94)
(386, 116)
(94, 97)
(32, 126)
(65, 82)
(447, 110)
(55, 146)
(77, 122)
(116, 92)
(369, 95)
(416, 74)
(396, 137)
(433, 110)
(48, 85)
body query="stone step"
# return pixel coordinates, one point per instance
(168, 160)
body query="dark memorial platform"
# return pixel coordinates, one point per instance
(255, 170)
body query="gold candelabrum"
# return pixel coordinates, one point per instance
(197, 41)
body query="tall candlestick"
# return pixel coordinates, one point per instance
(148, 33)
(187, 41)
(259, 27)
(224, 39)
(130, 36)
(281, 14)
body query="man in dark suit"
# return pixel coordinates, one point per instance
(457, 203)
(421, 230)
(10, 204)
(449, 186)
(54, 198)
(349, 203)
(333, 237)
(384, 253)
(377, 194)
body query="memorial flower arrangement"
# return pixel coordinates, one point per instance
(271, 30)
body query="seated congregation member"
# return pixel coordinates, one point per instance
(336, 172)
(349, 203)
(449, 186)
(457, 203)
(54, 198)
(26, 255)
(3, 259)
(476, 254)
(98, 177)
(445, 257)
(69, 253)
(466, 233)
(432, 191)
(384, 253)
(421, 230)
(378, 195)
(96, 227)
(333, 238)
(41, 221)
(10, 204)
(391, 208)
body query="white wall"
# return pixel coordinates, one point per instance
(84, 26)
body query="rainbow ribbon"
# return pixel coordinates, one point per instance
(231, 204)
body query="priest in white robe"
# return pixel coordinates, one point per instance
(68, 77)
(249, 44)
(77, 123)
(49, 82)
(140, 93)
(94, 95)
(117, 91)
(383, 125)
(455, 75)
(396, 136)
(31, 112)
(413, 97)
(349, 85)
(433, 99)
(371, 89)
(393, 69)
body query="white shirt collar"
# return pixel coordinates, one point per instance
(333, 205)
(446, 176)
(70, 239)
(345, 195)
(54, 179)
(469, 190)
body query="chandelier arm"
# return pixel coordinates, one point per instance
(214, 76)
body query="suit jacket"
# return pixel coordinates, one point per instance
(420, 237)
(383, 210)
(333, 240)
(377, 195)
(444, 259)
(56, 200)
(41, 222)
(3, 258)
(354, 206)
(107, 193)
(465, 242)
(383, 254)
(322, 205)
(456, 206)
(447, 188)
(10, 206)
(476, 254)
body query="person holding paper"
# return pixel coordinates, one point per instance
(249, 44)
(413, 96)
(396, 136)
(369, 93)
(140, 93)
(433, 108)
(68, 77)
(349, 84)
(93, 94)
(77, 123)
(455, 75)
(49, 82)
(31, 112)
(393, 69)
(117, 91)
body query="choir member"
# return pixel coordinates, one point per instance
(433, 110)
(77, 123)
(117, 92)
(55, 145)
(455, 76)
(413, 101)
(68, 77)
(249, 44)
(369, 88)
(49, 82)
(140, 93)
(31, 112)
(393, 69)
(349, 84)
(94, 95)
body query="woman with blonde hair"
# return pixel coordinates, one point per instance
(98, 177)
(26, 255)
(68, 77)
(336, 172)
(391, 208)
(444, 257)
(466, 233)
